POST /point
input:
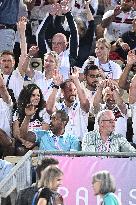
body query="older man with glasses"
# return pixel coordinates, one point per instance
(104, 139)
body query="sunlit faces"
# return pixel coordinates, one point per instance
(59, 43)
(107, 122)
(70, 92)
(35, 97)
(108, 96)
(56, 183)
(92, 78)
(50, 64)
(7, 64)
(96, 187)
(101, 50)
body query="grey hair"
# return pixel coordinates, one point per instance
(107, 181)
(48, 176)
(100, 115)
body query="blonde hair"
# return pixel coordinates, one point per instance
(55, 56)
(48, 176)
(104, 42)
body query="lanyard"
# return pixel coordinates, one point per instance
(109, 72)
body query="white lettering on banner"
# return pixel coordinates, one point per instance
(132, 196)
(84, 196)
(64, 191)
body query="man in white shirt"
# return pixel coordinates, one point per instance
(118, 21)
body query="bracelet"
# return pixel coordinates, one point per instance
(29, 56)
(55, 86)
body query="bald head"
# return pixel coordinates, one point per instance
(59, 43)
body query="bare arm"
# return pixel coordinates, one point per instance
(84, 102)
(42, 201)
(123, 81)
(21, 27)
(107, 21)
(3, 91)
(132, 91)
(98, 96)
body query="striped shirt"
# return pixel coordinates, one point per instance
(93, 142)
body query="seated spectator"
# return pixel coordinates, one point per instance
(104, 139)
(56, 138)
(118, 21)
(26, 196)
(31, 103)
(129, 71)
(90, 83)
(108, 97)
(109, 69)
(59, 41)
(74, 102)
(86, 34)
(126, 42)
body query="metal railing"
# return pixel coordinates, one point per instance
(20, 175)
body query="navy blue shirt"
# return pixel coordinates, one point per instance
(9, 11)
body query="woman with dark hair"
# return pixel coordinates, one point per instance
(104, 185)
(30, 100)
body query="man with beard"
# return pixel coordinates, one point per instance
(104, 139)
(74, 102)
(92, 77)
(118, 21)
(108, 97)
(55, 138)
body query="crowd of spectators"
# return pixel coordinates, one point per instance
(67, 78)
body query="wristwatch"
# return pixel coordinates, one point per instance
(55, 86)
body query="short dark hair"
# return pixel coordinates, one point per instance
(6, 52)
(90, 66)
(64, 84)
(45, 162)
(63, 115)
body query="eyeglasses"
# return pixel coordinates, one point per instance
(110, 120)
(94, 76)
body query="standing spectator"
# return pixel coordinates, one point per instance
(67, 53)
(129, 71)
(6, 106)
(8, 19)
(86, 34)
(126, 42)
(30, 96)
(26, 196)
(104, 185)
(118, 21)
(92, 79)
(75, 103)
(51, 180)
(14, 79)
(109, 69)
(104, 139)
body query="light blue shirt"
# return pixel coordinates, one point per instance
(110, 199)
(48, 141)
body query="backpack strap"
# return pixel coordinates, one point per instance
(7, 84)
